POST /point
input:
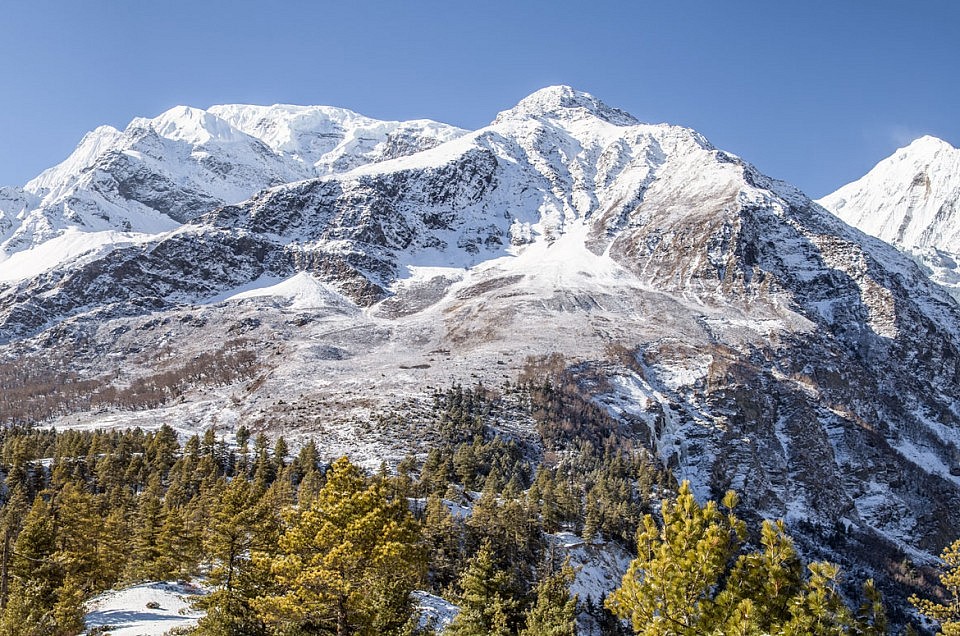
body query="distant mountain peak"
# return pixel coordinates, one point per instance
(912, 200)
(564, 101)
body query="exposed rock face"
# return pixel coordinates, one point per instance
(769, 346)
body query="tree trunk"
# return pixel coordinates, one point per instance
(4, 572)
(342, 628)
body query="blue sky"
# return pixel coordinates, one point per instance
(814, 92)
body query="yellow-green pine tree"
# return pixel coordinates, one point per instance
(348, 561)
(669, 588)
(948, 613)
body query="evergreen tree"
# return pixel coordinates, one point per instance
(442, 536)
(514, 534)
(280, 451)
(692, 577)
(762, 589)
(147, 561)
(872, 616)
(310, 486)
(239, 525)
(41, 602)
(80, 550)
(669, 587)
(348, 561)
(14, 512)
(947, 614)
(487, 604)
(554, 613)
(819, 610)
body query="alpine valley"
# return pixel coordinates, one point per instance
(336, 268)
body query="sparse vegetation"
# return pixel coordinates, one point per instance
(34, 390)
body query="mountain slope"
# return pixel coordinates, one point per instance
(911, 200)
(745, 335)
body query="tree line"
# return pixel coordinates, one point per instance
(292, 544)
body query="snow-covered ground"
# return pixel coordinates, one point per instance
(435, 612)
(148, 609)
(153, 609)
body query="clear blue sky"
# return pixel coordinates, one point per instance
(814, 92)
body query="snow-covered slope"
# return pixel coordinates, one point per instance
(734, 327)
(911, 199)
(331, 139)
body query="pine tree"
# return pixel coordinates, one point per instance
(669, 587)
(231, 531)
(947, 614)
(14, 512)
(691, 576)
(761, 591)
(41, 602)
(115, 540)
(310, 486)
(80, 539)
(819, 610)
(147, 561)
(554, 613)
(348, 561)
(239, 525)
(442, 536)
(177, 544)
(280, 450)
(872, 616)
(487, 604)
(514, 534)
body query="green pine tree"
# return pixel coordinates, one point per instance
(554, 613)
(487, 603)
(147, 560)
(41, 602)
(441, 535)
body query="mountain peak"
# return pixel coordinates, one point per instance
(192, 125)
(565, 102)
(928, 144)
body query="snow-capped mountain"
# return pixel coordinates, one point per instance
(732, 325)
(118, 186)
(911, 199)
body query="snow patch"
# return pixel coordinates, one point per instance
(148, 609)
(300, 291)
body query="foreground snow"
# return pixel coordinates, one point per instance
(126, 613)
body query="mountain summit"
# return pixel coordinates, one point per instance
(118, 186)
(564, 101)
